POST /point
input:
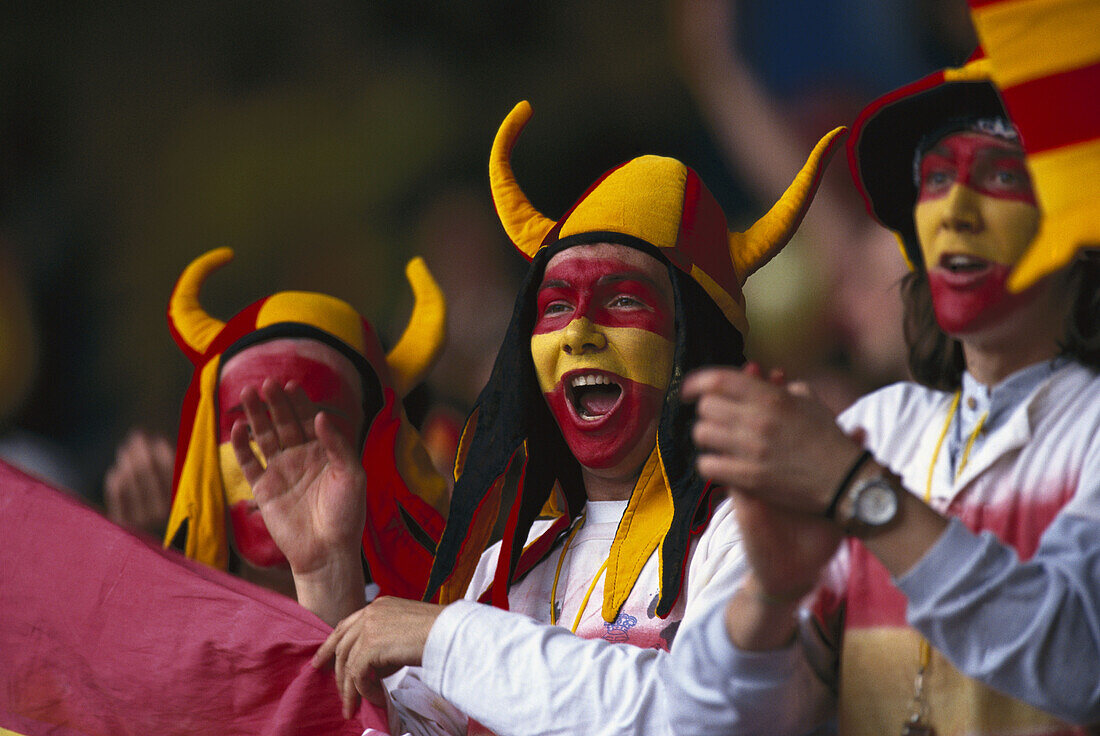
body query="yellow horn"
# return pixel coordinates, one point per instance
(525, 225)
(756, 246)
(416, 352)
(187, 317)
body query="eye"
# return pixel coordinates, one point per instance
(936, 179)
(557, 307)
(625, 301)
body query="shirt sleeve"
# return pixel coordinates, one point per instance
(1029, 629)
(518, 676)
(711, 687)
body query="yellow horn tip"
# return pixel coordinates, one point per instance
(524, 224)
(419, 347)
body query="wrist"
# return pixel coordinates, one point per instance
(841, 488)
(872, 504)
(760, 620)
(334, 590)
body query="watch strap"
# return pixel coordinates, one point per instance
(830, 510)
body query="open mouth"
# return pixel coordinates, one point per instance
(593, 395)
(962, 264)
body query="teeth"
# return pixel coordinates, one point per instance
(963, 263)
(590, 379)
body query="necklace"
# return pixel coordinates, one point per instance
(917, 724)
(557, 572)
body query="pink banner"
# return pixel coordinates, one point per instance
(103, 633)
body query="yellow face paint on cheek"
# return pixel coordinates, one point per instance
(998, 230)
(633, 353)
(236, 487)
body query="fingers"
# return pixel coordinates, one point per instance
(279, 416)
(138, 486)
(733, 383)
(334, 651)
(251, 466)
(284, 420)
(153, 475)
(340, 453)
(304, 409)
(259, 421)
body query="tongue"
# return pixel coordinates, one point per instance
(597, 401)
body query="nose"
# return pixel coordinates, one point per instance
(961, 211)
(582, 336)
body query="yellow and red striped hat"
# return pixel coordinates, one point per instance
(661, 202)
(1044, 56)
(406, 499)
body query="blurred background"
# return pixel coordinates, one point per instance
(329, 141)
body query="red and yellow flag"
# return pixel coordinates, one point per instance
(102, 633)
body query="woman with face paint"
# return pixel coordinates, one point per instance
(964, 595)
(579, 449)
(302, 375)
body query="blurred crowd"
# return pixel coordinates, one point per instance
(327, 143)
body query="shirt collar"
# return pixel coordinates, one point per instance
(977, 399)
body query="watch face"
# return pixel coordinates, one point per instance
(876, 503)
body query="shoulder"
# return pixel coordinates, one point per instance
(892, 406)
(487, 564)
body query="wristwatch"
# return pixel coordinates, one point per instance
(872, 503)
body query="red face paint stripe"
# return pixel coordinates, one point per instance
(586, 288)
(321, 384)
(1049, 126)
(975, 162)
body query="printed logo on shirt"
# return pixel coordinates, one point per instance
(617, 630)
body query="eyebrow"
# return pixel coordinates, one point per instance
(611, 278)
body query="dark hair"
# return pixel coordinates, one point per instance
(936, 359)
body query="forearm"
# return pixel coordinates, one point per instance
(334, 591)
(520, 677)
(917, 528)
(715, 687)
(1030, 629)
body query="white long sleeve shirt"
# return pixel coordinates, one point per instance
(516, 674)
(1010, 593)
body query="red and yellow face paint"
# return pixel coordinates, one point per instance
(603, 346)
(975, 216)
(329, 380)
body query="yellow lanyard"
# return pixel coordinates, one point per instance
(557, 572)
(925, 648)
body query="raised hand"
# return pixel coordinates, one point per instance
(310, 488)
(137, 488)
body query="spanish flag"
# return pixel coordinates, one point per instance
(103, 633)
(1044, 57)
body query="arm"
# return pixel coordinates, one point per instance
(1011, 625)
(1030, 629)
(731, 690)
